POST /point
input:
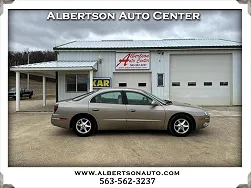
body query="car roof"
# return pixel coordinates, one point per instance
(120, 89)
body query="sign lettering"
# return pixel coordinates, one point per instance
(101, 82)
(132, 61)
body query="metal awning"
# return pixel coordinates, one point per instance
(49, 69)
(56, 66)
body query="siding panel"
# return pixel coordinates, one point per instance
(160, 64)
(237, 76)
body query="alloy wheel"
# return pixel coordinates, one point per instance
(181, 126)
(83, 126)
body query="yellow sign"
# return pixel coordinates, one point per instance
(101, 82)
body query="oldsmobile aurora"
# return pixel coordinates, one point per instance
(127, 109)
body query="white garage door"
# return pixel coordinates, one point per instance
(132, 80)
(201, 79)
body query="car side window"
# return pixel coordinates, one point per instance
(108, 98)
(134, 98)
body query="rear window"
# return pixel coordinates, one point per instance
(78, 98)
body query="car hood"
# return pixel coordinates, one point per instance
(11, 92)
(176, 103)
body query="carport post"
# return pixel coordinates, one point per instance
(28, 81)
(17, 91)
(91, 80)
(44, 91)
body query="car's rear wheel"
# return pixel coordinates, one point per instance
(83, 126)
(181, 125)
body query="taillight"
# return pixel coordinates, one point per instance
(55, 107)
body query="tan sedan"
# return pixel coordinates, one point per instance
(127, 109)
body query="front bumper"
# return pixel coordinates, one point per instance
(202, 121)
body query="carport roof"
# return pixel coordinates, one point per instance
(57, 65)
(148, 44)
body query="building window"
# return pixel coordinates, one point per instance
(223, 83)
(208, 83)
(160, 80)
(142, 84)
(175, 83)
(122, 84)
(76, 83)
(191, 83)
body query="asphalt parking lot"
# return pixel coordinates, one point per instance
(34, 142)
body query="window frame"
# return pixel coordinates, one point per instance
(163, 74)
(206, 84)
(191, 84)
(126, 99)
(76, 83)
(174, 84)
(121, 92)
(123, 83)
(224, 84)
(141, 83)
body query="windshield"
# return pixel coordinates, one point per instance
(156, 98)
(78, 98)
(13, 89)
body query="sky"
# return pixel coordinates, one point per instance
(30, 29)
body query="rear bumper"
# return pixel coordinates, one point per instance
(60, 121)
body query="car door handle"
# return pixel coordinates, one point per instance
(132, 110)
(95, 109)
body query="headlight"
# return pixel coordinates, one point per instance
(206, 113)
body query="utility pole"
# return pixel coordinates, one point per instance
(28, 75)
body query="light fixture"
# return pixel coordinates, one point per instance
(100, 59)
(160, 52)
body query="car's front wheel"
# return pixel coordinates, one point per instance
(181, 125)
(83, 126)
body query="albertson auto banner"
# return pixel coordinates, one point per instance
(132, 61)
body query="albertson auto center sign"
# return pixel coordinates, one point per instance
(132, 61)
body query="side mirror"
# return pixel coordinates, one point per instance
(154, 103)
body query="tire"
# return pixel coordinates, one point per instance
(83, 126)
(181, 125)
(30, 96)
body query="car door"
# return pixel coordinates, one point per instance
(109, 110)
(25, 92)
(141, 114)
(22, 92)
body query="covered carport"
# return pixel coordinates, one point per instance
(50, 70)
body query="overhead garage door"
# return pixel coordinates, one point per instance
(201, 79)
(132, 80)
